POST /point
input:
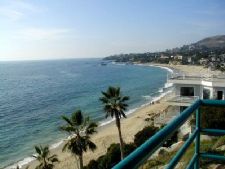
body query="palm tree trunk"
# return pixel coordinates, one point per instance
(120, 137)
(81, 161)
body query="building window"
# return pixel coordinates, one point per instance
(187, 91)
(206, 94)
(219, 95)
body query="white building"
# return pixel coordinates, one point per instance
(187, 89)
(199, 86)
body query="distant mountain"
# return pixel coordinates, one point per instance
(212, 42)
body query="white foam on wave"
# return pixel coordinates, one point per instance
(105, 122)
(157, 98)
(118, 63)
(160, 90)
(21, 163)
(147, 97)
(167, 85)
(53, 146)
(27, 160)
(163, 67)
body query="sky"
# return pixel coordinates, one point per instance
(56, 29)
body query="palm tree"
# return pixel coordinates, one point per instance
(80, 128)
(43, 156)
(115, 105)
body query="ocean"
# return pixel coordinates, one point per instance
(34, 95)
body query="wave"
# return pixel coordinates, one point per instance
(147, 97)
(163, 67)
(118, 63)
(160, 90)
(53, 146)
(157, 98)
(105, 122)
(29, 159)
(168, 85)
(21, 163)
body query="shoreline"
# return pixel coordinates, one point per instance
(133, 113)
(29, 161)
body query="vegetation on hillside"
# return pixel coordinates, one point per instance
(112, 157)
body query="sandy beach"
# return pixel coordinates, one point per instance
(108, 134)
(189, 69)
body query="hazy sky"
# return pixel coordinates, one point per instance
(53, 29)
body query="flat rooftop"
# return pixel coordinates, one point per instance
(198, 79)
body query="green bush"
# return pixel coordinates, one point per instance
(144, 134)
(113, 154)
(173, 139)
(92, 164)
(111, 158)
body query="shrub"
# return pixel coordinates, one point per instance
(113, 154)
(103, 162)
(92, 164)
(128, 148)
(111, 158)
(170, 141)
(144, 134)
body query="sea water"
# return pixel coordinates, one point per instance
(34, 95)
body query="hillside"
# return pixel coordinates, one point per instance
(209, 52)
(212, 42)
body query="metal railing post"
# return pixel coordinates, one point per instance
(197, 141)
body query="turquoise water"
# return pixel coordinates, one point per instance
(34, 94)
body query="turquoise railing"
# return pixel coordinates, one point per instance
(142, 153)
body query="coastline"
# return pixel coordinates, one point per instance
(30, 161)
(104, 139)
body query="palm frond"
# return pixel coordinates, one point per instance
(65, 146)
(82, 127)
(117, 91)
(68, 129)
(91, 128)
(67, 120)
(105, 94)
(38, 150)
(77, 117)
(104, 99)
(45, 162)
(92, 146)
(111, 91)
(125, 98)
(123, 114)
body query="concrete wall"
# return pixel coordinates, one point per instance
(197, 89)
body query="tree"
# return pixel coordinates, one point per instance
(43, 156)
(114, 106)
(80, 128)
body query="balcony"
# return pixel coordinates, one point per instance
(146, 150)
(177, 100)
